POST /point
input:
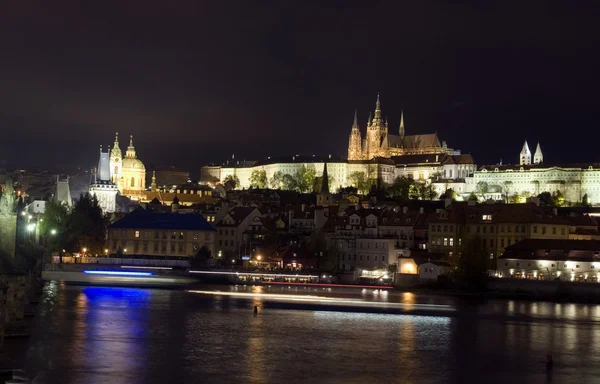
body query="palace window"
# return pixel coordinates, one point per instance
(137, 234)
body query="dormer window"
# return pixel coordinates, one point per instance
(486, 217)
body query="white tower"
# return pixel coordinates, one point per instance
(116, 161)
(525, 158)
(538, 157)
(102, 187)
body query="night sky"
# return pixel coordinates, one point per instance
(195, 81)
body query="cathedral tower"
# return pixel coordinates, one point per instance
(376, 134)
(401, 131)
(355, 142)
(525, 158)
(538, 157)
(116, 161)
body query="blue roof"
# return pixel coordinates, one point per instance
(141, 219)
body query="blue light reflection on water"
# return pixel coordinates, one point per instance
(116, 326)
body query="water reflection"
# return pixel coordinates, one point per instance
(90, 335)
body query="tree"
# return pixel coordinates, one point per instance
(585, 201)
(231, 182)
(559, 198)
(288, 182)
(200, 259)
(449, 194)
(86, 226)
(326, 255)
(305, 177)
(546, 199)
(258, 179)
(400, 188)
(360, 181)
(319, 181)
(507, 188)
(422, 191)
(53, 226)
(473, 264)
(276, 180)
(472, 197)
(515, 198)
(482, 188)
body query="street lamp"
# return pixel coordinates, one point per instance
(259, 257)
(125, 250)
(30, 227)
(53, 231)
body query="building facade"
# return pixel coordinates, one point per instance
(529, 177)
(129, 172)
(150, 234)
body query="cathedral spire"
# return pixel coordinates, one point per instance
(325, 180)
(377, 117)
(153, 185)
(525, 156)
(538, 157)
(402, 123)
(355, 123)
(131, 149)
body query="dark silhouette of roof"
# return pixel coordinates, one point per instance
(143, 219)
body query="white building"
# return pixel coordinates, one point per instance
(102, 187)
(443, 167)
(546, 259)
(530, 179)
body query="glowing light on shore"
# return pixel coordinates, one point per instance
(143, 267)
(253, 274)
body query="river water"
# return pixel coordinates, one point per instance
(85, 334)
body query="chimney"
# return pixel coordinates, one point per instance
(421, 210)
(447, 202)
(303, 207)
(290, 217)
(405, 209)
(555, 211)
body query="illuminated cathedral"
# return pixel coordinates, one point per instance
(128, 173)
(378, 142)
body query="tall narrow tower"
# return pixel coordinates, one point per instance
(355, 141)
(401, 131)
(116, 160)
(376, 132)
(538, 157)
(525, 157)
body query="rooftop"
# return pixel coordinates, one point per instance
(142, 219)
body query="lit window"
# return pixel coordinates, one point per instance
(452, 241)
(445, 241)
(486, 217)
(137, 233)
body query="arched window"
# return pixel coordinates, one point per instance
(133, 181)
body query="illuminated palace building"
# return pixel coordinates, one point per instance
(530, 177)
(380, 155)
